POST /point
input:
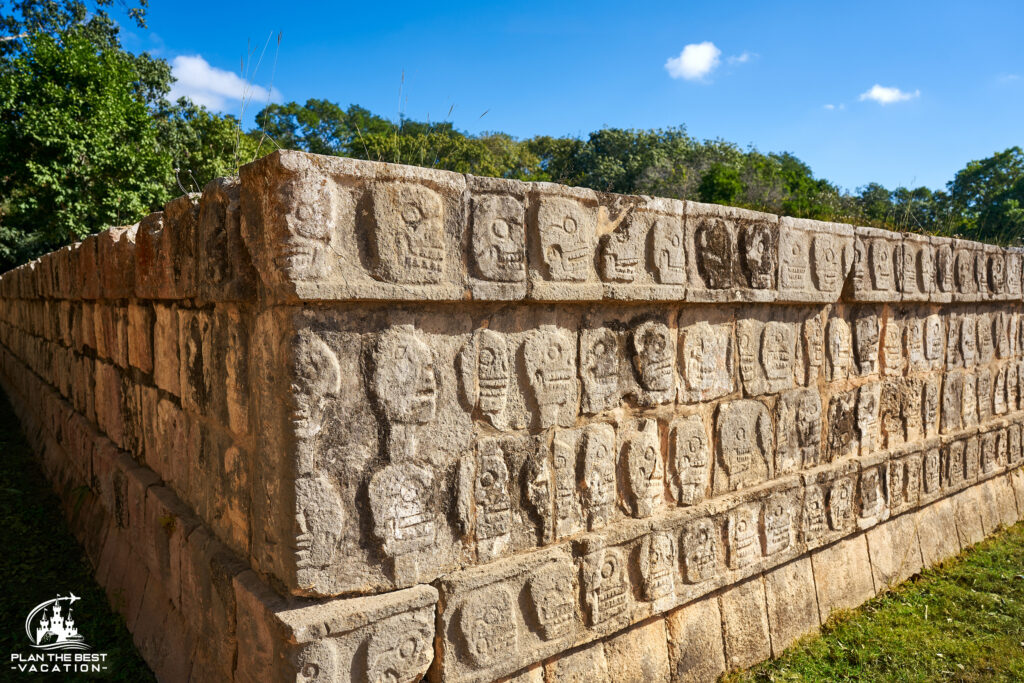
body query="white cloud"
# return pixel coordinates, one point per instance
(741, 59)
(833, 107)
(696, 61)
(830, 107)
(884, 95)
(212, 87)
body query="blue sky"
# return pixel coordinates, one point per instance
(785, 76)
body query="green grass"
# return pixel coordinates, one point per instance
(40, 558)
(963, 621)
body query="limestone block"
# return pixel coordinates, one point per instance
(580, 666)
(115, 262)
(497, 238)
(770, 357)
(877, 265)
(967, 512)
(639, 654)
(224, 268)
(916, 268)
(695, 641)
(792, 604)
(1006, 502)
(798, 419)
(166, 362)
(85, 268)
(733, 254)
(384, 638)
(842, 575)
(140, 337)
(745, 624)
(690, 460)
(745, 445)
(563, 233)
(487, 630)
(642, 249)
(936, 525)
(815, 259)
(300, 223)
(966, 271)
(895, 551)
(945, 283)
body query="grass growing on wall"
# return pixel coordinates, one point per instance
(40, 559)
(963, 621)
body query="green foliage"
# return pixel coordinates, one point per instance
(721, 184)
(963, 621)
(80, 150)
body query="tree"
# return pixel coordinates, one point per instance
(987, 195)
(79, 148)
(720, 184)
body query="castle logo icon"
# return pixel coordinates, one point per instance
(51, 626)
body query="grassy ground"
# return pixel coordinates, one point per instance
(963, 621)
(40, 559)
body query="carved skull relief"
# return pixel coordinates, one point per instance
(487, 626)
(599, 355)
(839, 349)
(551, 365)
(408, 233)
(827, 262)
(669, 253)
(403, 377)
(401, 649)
(490, 492)
(605, 586)
(499, 242)
(700, 551)
(645, 470)
(598, 474)
(400, 503)
(655, 356)
(621, 252)
(840, 504)
(716, 253)
(566, 230)
(744, 547)
(691, 460)
(551, 593)
(657, 566)
(759, 244)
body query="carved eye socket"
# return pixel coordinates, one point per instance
(741, 434)
(676, 240)
(599, 348)
(408, 648)
(486, 357)
(569, 225)
(554, 352)
(500, 229)
(741, 526)
(487, 480)
(608, 569)
(412, 214)
(693, 445)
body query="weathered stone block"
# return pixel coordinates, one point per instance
(745, 624)
(695, 641)
(792, 604)
(842, 575)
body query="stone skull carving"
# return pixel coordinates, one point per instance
(494, 373)
(598, 474)
(996, 273)
(408, 234)
(839, 349)
(944, 269)
(566, 230)
(403, 376)
(700, 551)
(645, 470)
(744, 435)
(931, 471)
(599, 354)
(551, 592)
(669, 251)
(882, 267)
(621, 252)
(691, 460)
(657, 566)
(318, 662)
(778, 524)
(716, 253)
(933, 337)
(655, 356)
(550, 363)
(840, 504)
(965, 282)
(814, 513)
(827, 262)
(316, 379)
(865, 331)
(490, 492)
(777, 351)
(759, 247)
(605, 586)
(487, 626)
(401, 507)
(499, 238)
(743, 536)
(401, 649)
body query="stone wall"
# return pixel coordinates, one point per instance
(344, 421)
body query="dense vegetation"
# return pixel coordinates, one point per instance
(88, 139)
